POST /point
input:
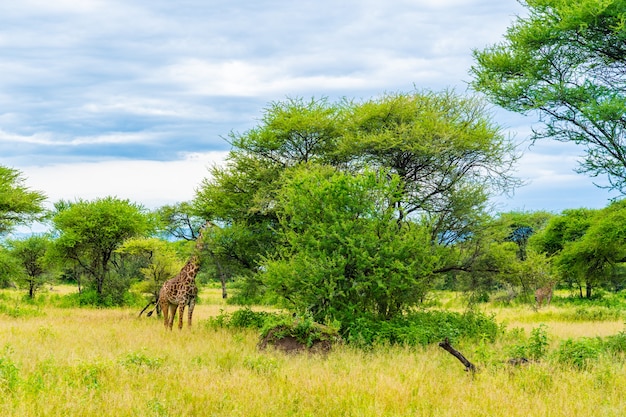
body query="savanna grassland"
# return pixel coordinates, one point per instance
(58, 361)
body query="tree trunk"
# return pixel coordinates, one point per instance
(222, 276)
(588, 290)
(580, 290)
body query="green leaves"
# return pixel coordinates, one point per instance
(344, 254)
(90, 231)
(18, 204)
(566, 60)
(344, 208)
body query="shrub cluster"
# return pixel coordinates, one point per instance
(417, 328)
(423, 328)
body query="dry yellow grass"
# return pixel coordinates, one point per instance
(87, 362)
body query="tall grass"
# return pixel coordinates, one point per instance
(89, 362)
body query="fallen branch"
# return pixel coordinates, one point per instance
(146, 307)
(469, 367)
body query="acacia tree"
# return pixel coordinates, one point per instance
(18, 204)
(32, 266)
(592, 259)
(444, 147)
(567, 61)
(89, 232)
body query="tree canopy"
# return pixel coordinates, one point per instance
(431, 160)
(89, 232)
(18, 204)
(567, 61)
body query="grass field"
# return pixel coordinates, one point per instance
(90, 362)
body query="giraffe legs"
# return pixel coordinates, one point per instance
(169, 321)
(181, 312)
(165, 310)
(192, 304)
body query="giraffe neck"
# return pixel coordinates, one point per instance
(190, 270)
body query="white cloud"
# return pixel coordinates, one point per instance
(82, 79)
(151, 183)
(48, 139)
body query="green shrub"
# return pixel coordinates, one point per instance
(616, 344)
(140, 360)
(423, 328)
(304, 329)
(595, 314)
(244, 318)
(578, 353)
(538, 342)
(9, 375)
(536, 347)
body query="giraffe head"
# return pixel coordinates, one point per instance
(200, 242)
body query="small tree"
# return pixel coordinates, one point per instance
(159, 257)
(562, 240)
(89, 232)
(33, 266)
(593, 259)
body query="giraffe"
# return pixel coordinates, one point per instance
(544, 294)
(180, 291)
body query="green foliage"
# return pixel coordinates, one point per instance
(415, 329)
(89, 232)
(579, 353)
(616, 344)
(33, 262)
(345, 254)
(438, 156)
(303, 329)
(158, 259)
(18, 204)
(9, 376)
(423, 328)
(535, 348)
(594, 314)
(587, 246)
(139, 360)
(566, 61)
(245, 318)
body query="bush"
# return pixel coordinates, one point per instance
(303, 329)
(616, 344)
(423, 328)
(245, 319)
(536, 347)
(578, 353)
(9, 375)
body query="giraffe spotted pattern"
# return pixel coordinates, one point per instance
(180, 292)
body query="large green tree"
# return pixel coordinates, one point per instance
(566, 60)
(18, 204)
(89, 232)
(595, 257)
(441, 150)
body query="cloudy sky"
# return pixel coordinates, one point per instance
(133, 98)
